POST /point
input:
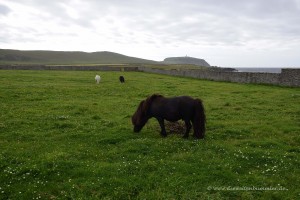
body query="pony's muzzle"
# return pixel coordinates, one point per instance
(137, 129)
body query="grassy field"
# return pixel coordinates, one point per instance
(64, 137)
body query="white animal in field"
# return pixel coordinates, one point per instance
(97, 79)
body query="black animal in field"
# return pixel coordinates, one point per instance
(190, 110)
(122, 79)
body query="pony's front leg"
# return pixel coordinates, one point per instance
(188, 127)
(162, 126)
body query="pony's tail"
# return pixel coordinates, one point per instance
(199, 119)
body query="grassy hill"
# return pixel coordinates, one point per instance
(66, 57)
(64, 137)
(186, 60)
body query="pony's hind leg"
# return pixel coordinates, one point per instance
(188, 127)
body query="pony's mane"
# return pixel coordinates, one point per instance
(149, 101)
(152, 97)
(143, 107)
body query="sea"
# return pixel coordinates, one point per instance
(257, 69)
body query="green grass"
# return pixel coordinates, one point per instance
(64, 137)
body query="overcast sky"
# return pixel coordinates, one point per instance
(227, 33)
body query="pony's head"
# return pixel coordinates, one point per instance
(139, 118)
(141, 115)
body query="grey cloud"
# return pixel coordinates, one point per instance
(10, 34)
(4, 10)
(213, 21)
(196, 22)
(56, 11)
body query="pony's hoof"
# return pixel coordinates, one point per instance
(163, 135)
(198, 137)
(185, 137)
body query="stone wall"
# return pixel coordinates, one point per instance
(290, 77)
(287, 77)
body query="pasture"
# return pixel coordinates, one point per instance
(64, 137)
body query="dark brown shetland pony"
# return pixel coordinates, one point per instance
(171, 109)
